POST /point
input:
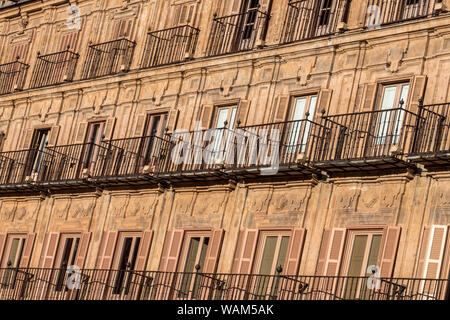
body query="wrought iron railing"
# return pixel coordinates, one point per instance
(23, 166)
(381, 12)
(12, 76)
(170, 46)
(131, 157)
(54, 68)
(197, 151)
(108, 58)
(94, 284)
(369, 135)
(288, 143)
(307, 19)
(237, 32)
(433, 134)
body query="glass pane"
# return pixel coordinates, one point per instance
(299, 110)
(385, 117)
(222, 117)
(126, 250)
(192, 255)
(296, 125)
(201, 263)
(13, 253)
(263, 280)
(189, 267)
(374, 250)
(282, 252)
(356, 265)
(371, 261)
(268, 255)
(312, 111)
(280, 262)
(399, 120)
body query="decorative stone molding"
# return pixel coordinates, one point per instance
(305, 70)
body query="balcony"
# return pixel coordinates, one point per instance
(306, 19)
(369, 140)
(196, 155)
(22, 168)
(282, 147)
(170, 46)
(130, 160)
(108, 58)
(382, 12)
(432, 147)
(237, 32)
(54, 68)
(95, 284)
(12, 76)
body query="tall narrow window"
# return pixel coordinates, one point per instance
(67, 252)
(11, 260)
(299, 125)
(37, 149)
(364, 248)
(272, 260)
(225, 118)
(93, 140)
(125, 262)
(153, 134)
(390, 117)
(194, 262)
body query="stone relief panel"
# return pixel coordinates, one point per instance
(276, 207)
(8, 208)
(440, 212)
(367, 203)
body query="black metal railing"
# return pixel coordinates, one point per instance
(70, 162)
(307, 19)
(94, 284)
(23, 166)
(131, 156)
(280, 144)
(54, 68)
(433, 133)
(197, 151)
(170, 46)
(12, 76)
(237, 32)
(108, 58)
(369, 135)
(381, 12)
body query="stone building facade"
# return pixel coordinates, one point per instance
(96, 94)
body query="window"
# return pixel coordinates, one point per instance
(37, 149)
(271, 260)
(225, 117)
(364, 249)
(303, 109)
(390, 117)
(12, 257)
(325, 12)
(125, 263)
(66, 255)
(194, 261)
(94, 138)
(154, 131)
